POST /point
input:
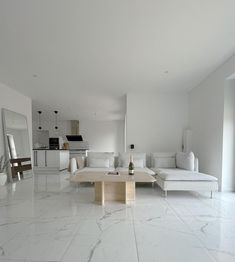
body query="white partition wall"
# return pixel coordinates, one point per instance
(103, 136)
(155, 121)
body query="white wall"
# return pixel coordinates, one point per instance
(228, 178)
(14, 101)
(105, 136)
(64, 128)
(101, 135)
(155, 121)
(206, 113)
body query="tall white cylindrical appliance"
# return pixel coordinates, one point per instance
(187, 140)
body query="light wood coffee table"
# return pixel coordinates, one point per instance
(113, 187)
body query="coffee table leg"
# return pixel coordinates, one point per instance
(129, 191)
(99, 192)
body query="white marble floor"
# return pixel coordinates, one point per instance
(60, 222)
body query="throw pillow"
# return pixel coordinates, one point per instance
(185, 160)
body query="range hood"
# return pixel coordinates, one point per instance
(74, 138)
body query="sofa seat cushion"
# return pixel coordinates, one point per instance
(137, 169)
(176, 174)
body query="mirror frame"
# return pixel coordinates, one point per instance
(9, 173)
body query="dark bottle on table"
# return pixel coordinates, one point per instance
(131, 168)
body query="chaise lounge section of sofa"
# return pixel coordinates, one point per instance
(179, 171)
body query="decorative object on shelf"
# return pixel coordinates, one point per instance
(39, 120)
(131, 168)
(56, 119)
(3, 166)
(66, 146)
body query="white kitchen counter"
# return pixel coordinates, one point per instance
(50, 160)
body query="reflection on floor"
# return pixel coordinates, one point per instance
(60, 222)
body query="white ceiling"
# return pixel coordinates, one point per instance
(82, 57)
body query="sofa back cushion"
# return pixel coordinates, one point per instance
(185, 160)
(163, 160)
(139, 159)
(100, 158)
(137, 163)
(99, 162)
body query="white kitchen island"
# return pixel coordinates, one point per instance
(50, 161)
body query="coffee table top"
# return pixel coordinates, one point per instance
(103, 177)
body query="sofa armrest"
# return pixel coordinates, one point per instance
(196, 164)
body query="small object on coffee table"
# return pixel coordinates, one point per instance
(114, 173)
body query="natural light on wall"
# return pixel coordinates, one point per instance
(228, 180)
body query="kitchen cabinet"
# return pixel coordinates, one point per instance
(51, 160)
(39, 158)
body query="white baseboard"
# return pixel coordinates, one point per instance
(228, 189)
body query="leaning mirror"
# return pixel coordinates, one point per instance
(17, 146)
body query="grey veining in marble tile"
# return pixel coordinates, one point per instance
(60, 222)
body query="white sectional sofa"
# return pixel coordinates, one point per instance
(179, 171)
(139, 160)
(173, 171)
